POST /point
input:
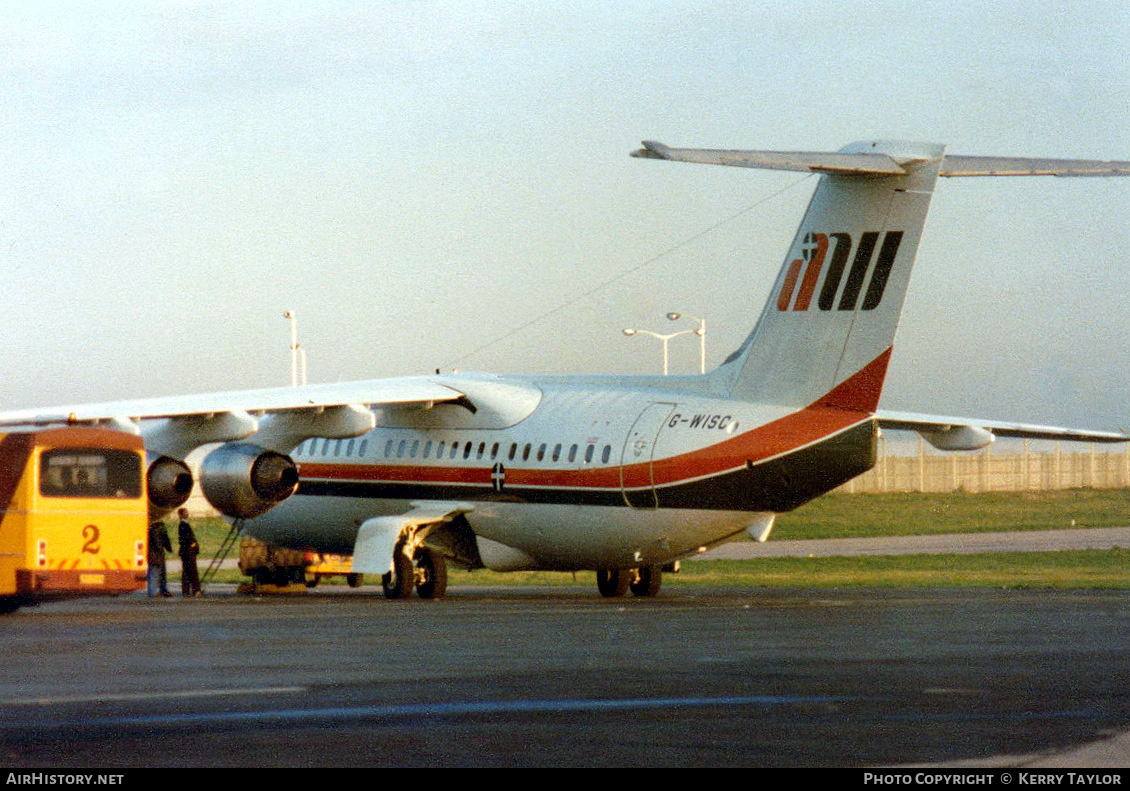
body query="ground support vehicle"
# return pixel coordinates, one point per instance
(73, 514)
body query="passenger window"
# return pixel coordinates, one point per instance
(428, 450)
(557, 451)
(439, 449)
(454, 449)
(494, 451)
(513, 451)
(541, 451)
(326, 448)
(482, 449)
(349, 448)
(364, 447)
(415, 448)
(526, 452)
(467, 450)
(400, 448)
(607, 454)
(588, 453)
(572, 454)
(388, 449)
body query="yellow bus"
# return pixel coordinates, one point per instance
(73, 514)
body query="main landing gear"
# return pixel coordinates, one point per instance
(644, 581)
(426, 571)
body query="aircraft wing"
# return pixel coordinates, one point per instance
(963, 433)
(280, 417)
(372, 393)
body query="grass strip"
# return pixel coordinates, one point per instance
(1086, 569)
(916, 514)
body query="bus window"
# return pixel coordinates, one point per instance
(77, 472)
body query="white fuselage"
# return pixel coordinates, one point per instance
(569, 473)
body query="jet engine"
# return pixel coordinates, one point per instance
(169, 483)
(242, 480)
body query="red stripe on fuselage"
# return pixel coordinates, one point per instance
(842, 408)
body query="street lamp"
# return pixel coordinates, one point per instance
(665, 338)
(295, 351)
(700, 332)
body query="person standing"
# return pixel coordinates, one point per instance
(189, 549)
(158, 582)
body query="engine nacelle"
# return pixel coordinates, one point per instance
(242, 480)
(169, 484)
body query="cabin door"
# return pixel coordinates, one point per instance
(636, 479)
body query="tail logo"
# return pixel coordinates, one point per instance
(814, 253)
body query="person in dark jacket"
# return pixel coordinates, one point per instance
(158, 582)
(189, 549)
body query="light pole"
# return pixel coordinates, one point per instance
(664, 338)
(700, 332)
(295, 351)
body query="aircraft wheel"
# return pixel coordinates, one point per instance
(612, 583)
(398, 583)
(647, 581)
(431, 574)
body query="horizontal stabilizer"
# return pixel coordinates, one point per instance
(861, 164)
(856, 160)
(955, 165)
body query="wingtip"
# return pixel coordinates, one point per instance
(652, 150)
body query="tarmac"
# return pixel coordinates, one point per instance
(559, 677)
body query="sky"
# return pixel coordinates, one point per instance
(447, 184)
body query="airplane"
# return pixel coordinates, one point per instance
(623, 475)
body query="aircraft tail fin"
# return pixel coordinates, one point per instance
(827, 330)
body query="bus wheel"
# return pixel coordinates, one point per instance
(431, 574)
(398, 583)
(612, 583)
(353, 580)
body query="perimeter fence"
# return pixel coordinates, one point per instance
(993, 471)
